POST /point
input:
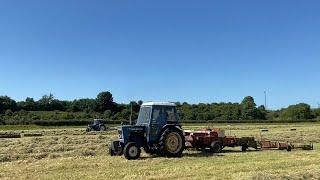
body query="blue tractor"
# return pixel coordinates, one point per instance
(97, 125)
(157, 131)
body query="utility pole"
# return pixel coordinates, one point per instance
(131, 114)
(265, 99)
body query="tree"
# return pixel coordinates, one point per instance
(135, 106)
(1, 119)
(30, 104)
(58, 105)
(298, 111)
(229, 111)
(262, 112)
(84, 105)
(8, 112)
(45, 102)
(7, 103)
(316, 113)
(140, 102)
(248, 108)
(125, 115)
(104, 101)
(107, 114)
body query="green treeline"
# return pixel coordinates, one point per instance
(49, 109)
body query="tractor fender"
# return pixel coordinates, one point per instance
(167, 126)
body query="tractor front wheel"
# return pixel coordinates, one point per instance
(132, 151)
(172, 142)
(115, 149)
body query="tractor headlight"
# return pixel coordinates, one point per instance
(120, 134)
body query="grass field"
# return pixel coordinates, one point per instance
(72, 153)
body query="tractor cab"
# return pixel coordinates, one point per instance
(154, 116)
(156, 121)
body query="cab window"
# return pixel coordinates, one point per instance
(164, 114)
(171, 114)
(157, 115)
(144, 115)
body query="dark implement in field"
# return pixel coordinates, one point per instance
(10, 135)
(31, 134)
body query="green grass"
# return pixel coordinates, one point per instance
(72, 153)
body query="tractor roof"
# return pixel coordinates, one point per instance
(158, 104)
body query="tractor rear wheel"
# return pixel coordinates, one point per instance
(132, 151)
(103, 128)
(172, 143)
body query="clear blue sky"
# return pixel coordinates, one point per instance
(194, 51)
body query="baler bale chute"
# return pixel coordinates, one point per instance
(280, 145)
(266, 144)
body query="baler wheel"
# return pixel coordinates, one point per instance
(216, 147)
(244, 148)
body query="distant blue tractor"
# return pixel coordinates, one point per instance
(157, 131)
(97, 125)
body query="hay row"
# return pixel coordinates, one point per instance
(10, 135)
(32, 134)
